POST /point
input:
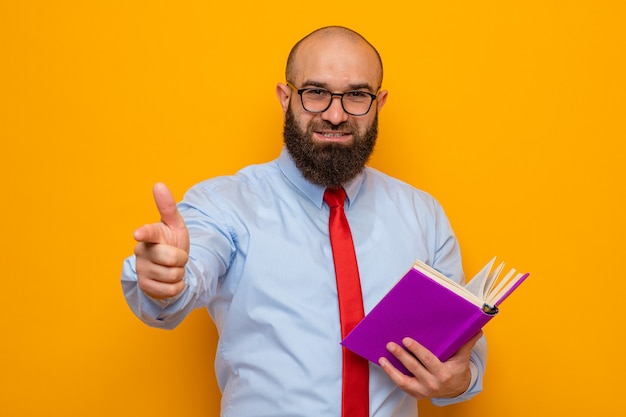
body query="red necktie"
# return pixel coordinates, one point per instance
(355, 376)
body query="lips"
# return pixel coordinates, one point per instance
(333, 136)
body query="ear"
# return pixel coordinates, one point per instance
(382, 99)
(283, 92)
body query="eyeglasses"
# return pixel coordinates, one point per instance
(318, 100)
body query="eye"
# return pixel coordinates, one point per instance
(317, 93)
(357, 95)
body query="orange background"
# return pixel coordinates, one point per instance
(510, 113)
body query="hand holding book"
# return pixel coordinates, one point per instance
(428, 376)
(431, 308)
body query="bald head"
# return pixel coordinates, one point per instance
(331, 36)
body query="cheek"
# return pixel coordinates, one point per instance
(306, 121)
(363, 125)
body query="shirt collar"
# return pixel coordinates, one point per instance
(314, 192)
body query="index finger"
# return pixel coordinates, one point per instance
(150, 233)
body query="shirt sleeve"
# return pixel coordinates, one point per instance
(211, 249)
(163, 314)
(448, 260)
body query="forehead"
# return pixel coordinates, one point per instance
(337, 62)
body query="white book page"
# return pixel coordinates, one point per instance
(448, 283)
(505, 285)
(477, 285)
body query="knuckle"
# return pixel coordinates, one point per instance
(446, 377)
(171, 290)
(405, 384)
(433, 386)
(173, 257)
(167, 258)
(159, 289)
(173, 275)
(145, 284)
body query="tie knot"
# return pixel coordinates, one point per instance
(335, 196)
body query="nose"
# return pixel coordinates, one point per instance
(335, 114)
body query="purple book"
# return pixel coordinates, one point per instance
(436, 313)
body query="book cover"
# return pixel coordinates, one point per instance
(418, 306)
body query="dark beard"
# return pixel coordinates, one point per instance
(328, 164)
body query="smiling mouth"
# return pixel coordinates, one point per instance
(333, 136)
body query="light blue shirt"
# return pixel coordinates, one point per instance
(261, 262)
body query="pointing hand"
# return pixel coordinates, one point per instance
(162, 249)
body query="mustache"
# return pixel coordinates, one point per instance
(325, 125)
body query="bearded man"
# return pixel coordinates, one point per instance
(255, 250)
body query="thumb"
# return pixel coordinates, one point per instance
(467, 348)
(167, 206)
(170, 216)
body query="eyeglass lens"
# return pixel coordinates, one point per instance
(354, 102)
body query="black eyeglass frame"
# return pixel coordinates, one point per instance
(301, 91)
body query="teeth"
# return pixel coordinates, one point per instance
(333, 135)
